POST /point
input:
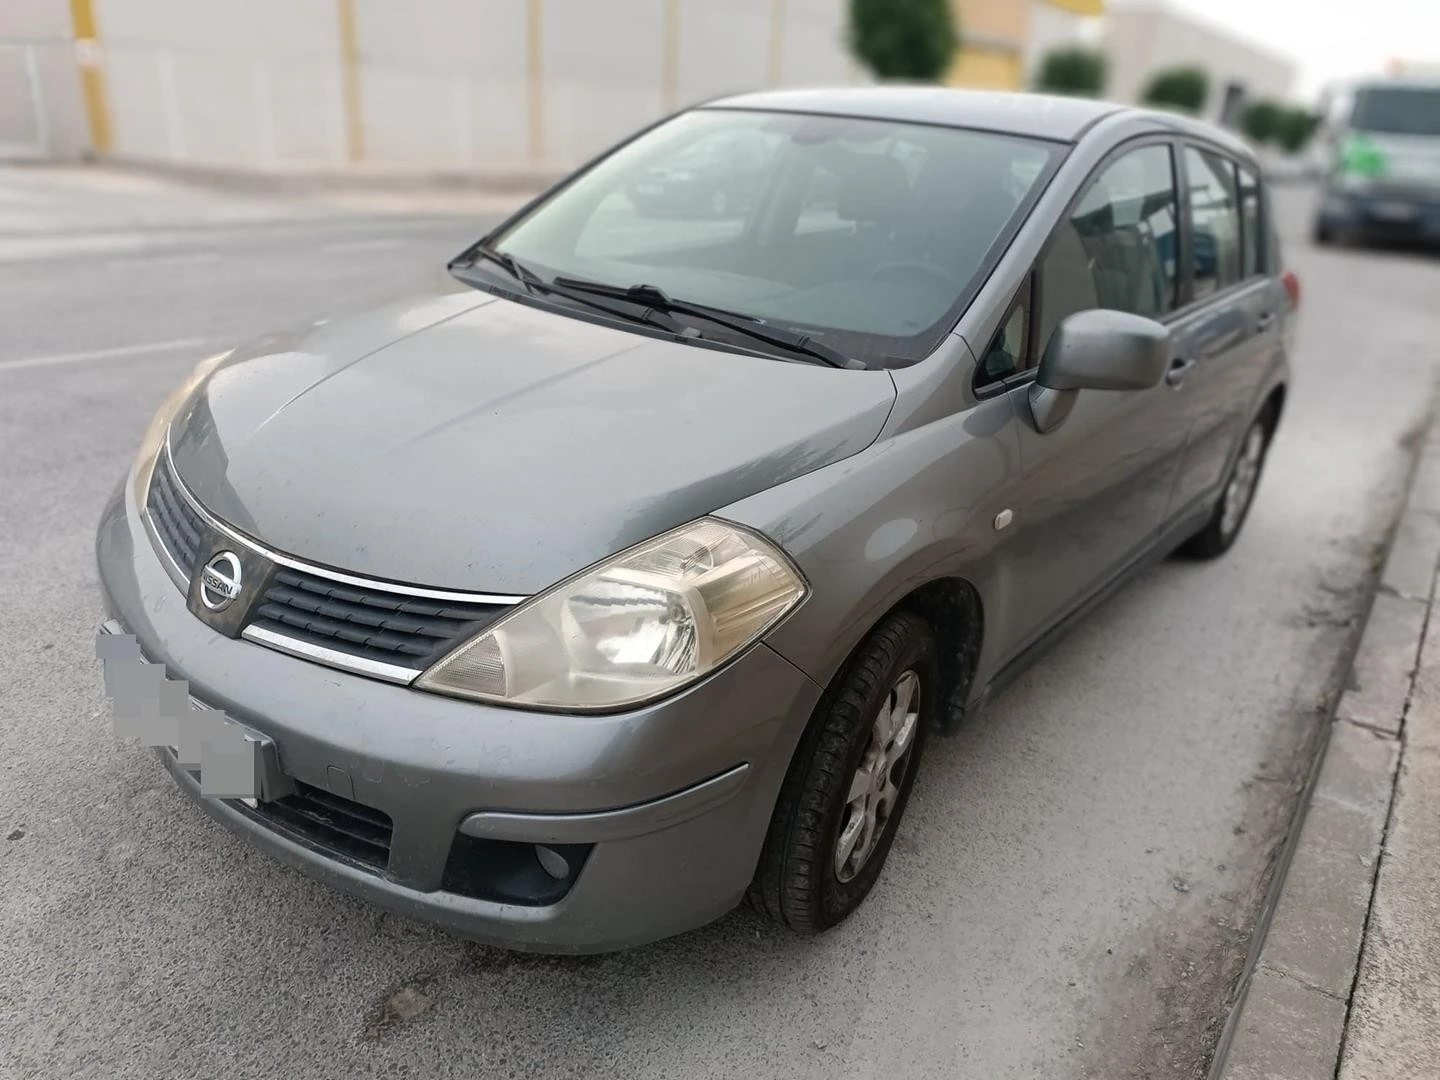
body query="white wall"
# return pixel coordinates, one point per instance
(1141, 39)
(40, 111)
(220, 82)
(444, 81)
(441, 83)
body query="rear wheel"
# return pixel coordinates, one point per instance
(1235, 500)
(850, 781)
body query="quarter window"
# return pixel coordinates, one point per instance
(1117, 248)
(1006, 354)
(1215, 217)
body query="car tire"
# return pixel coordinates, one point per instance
(801, 881)
(1237, 496)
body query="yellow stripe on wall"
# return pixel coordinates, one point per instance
(670, 61)
(350, 80)
(1078, 7)
(777, 40)
(534, 66)
(980, 68)
(92, 75)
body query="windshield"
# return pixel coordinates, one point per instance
(866, 235)
(1398, 110)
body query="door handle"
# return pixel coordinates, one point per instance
(1264, 322)
(1179, 369)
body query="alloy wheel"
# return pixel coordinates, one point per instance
(875, 786)
(1243, 479)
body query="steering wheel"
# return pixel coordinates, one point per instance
(915, 266)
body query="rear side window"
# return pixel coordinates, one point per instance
(1252, 236)
(1215, 217)
(1117, 249)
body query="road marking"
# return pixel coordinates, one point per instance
(159, 261)
(366, 245)
(115, 352)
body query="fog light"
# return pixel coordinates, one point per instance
(512, 871)
(552, 862)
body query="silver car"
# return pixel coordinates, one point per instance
(624, 575)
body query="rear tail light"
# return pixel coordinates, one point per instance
(1292, 288)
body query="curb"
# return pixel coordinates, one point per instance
(1291, 1011)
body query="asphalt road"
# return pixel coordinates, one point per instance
(1071, 894)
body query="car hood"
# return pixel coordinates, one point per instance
(462, 441)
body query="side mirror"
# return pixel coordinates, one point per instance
(1097, 350)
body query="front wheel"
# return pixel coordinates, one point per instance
(1234, 505)
(851, 778)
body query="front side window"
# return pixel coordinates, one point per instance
(867, 235)
(1117, 248)
(1215, 222)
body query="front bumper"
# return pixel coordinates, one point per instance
(664, 809)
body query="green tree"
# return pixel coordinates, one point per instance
(1261, 120)
(1294, 128)
(913, 40)
(1183, 88)
(1072, 70)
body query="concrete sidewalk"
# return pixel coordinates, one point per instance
(1347, 981)
(40, 200)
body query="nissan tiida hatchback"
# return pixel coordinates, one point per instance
(625, 575)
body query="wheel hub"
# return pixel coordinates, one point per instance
(1243, 479)
(875, 786)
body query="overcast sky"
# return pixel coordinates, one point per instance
(1359, 38)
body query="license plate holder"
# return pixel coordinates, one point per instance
(234, 761)
(1395, 210)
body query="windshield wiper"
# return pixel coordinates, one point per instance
(518, 270)
(731, 320)
(533, 282)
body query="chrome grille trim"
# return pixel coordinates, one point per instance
(269, 638)
(338, 576)
(306, 650)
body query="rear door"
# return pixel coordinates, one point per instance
(1231, 317)
(1096, 487)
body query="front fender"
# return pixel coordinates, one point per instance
(869, 531)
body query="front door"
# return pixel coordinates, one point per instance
(1096, 487)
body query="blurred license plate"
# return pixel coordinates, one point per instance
(233, 761)
(1395, 211)
(648, 189)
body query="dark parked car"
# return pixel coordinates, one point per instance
(626, 574)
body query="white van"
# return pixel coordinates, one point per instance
(1383, 163)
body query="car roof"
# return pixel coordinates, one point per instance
(1040, 116)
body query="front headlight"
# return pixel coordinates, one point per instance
(634, 628)
(154, 436)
